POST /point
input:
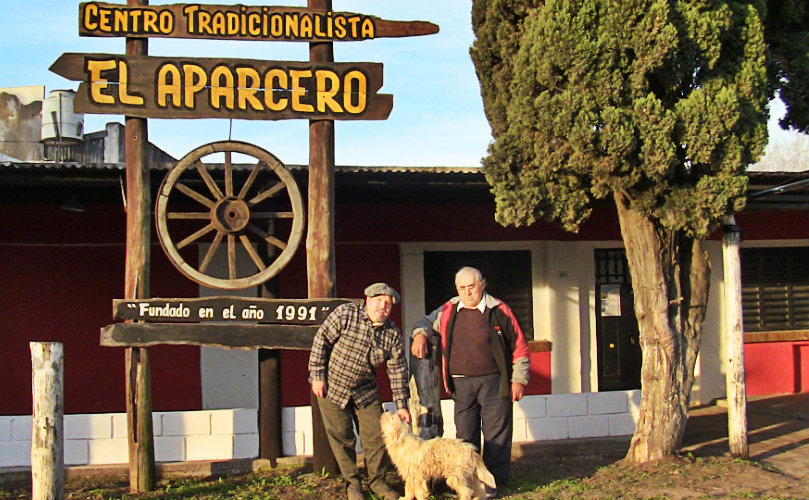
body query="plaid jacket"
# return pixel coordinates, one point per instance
(346, 352)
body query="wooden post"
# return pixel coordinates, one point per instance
(47, 427)
(320, 266)
(736, 391)
(270, 438)
(136, 286)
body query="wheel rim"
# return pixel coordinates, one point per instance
(200, 207)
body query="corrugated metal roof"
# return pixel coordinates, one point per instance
(52, 165)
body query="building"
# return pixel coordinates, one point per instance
(62, 259)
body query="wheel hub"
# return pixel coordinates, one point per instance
(230, 215)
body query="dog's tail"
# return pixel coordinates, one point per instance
(483, 473)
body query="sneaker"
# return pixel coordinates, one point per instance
(354, 492)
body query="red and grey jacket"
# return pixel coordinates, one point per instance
(510, 350)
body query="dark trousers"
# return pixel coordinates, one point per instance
(476, 403)
(339, 426)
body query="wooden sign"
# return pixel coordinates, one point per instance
(229, 309)
(240, 323)
(240, 22)
(176, 87)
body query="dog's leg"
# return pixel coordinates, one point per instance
(458, 483)
(409, 490)
(420, 489)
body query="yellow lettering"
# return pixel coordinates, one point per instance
(166, 88)
(306, 27)
(121, 21)
(298, 92)
(368, 29)
(90, 17)
(188, 12)
(325, 96)
(150, 22)
(222, 87)
(248, 86)
(97, 83)
(104, 21)
(355, 83)
(195, 80)
(123, 95)
(340, 27)
(272, 76)
(205, 23)
(291, 26)
(219, 23)
(254, 21)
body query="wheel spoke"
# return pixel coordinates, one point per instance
(268, 237)
(206, 177)
(252, 252)
(228, 174)
(189, 215)
(250, 179)
(232, 256)
(194, 194)
(266, 194)
(271, 215)
(211, 251)
(197, 235)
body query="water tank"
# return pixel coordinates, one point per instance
(60, 125)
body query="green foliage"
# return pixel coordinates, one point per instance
(661, 100)
(788, 40)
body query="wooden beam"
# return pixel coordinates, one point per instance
(232, 336)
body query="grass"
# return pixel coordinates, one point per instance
(556, 478)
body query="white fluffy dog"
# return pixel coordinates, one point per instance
(418, 461)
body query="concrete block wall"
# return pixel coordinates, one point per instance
(536, 418)
(97, 439)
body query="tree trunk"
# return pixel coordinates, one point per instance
(670, 278)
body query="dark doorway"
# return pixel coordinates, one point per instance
(619, 353)
(508, 274)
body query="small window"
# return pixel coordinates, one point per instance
(775, 288)
(507, 273)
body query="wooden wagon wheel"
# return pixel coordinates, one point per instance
(232, 222)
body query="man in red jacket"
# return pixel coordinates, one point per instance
(485, 366)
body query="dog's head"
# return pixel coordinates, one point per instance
(393, 428)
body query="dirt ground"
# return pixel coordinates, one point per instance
(778, 434)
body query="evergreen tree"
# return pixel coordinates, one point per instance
(657, 106)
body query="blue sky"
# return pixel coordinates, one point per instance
(437, 117)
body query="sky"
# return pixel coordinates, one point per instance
(437, 117)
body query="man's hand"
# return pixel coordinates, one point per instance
(418, 346)
(517, 391)
(319, 388)
(403, 414)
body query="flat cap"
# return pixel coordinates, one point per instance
(382, 289)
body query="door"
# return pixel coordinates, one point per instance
(618, 340)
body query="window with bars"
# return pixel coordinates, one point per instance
(775, 288)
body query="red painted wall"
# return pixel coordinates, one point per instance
(59, 272)
(776, 368)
